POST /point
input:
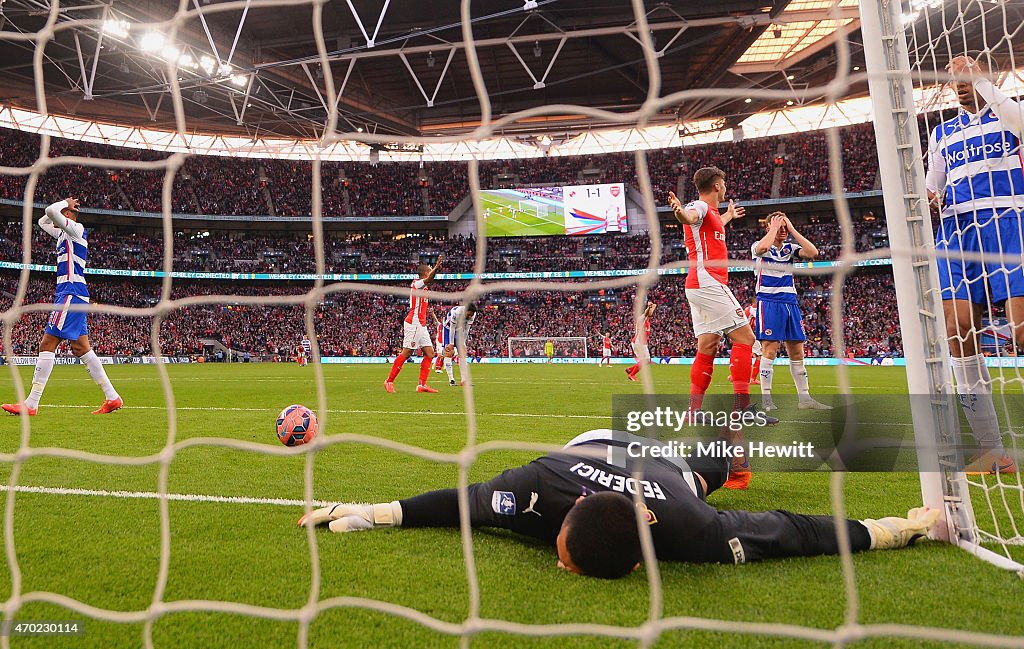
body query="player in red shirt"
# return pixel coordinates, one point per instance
(641, 351)
(714, 308)
(439, 364)
(606, 349)
(415, 330)
(755, 369)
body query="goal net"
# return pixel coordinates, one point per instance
(535, 348)
(906, 47)
(540, 210)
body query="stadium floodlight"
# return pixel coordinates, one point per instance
(239, 80)
(151, 41)
(207, 64)
(224, 69)
(170, 53)
(186, 61)
(116, 28)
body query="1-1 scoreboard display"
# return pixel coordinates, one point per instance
(540, 211)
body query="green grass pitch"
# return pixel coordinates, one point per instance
(104, 550)
(524, 225)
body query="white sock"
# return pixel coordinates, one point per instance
(44, 365)
(448, 368)
(799, 372)
(767, 371)
(974, 386)
(98, 374)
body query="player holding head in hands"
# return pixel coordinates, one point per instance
(640, 342)
(60, 221)
(975, 180)
(455, 332)
(778, 316)
(714, 308)
(416, 335)
(579, 500)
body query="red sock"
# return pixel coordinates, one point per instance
(755, 368)
(700, 379)
(739, 361)
(425, 370)
(396, 367)
(633, 370)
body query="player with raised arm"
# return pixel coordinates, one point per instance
(60, 221)
(606, 349)
(714, 308)
(455, 332)
(580, 501)
(641, 350)
(414, 329)
(778, 311)
(976, 181)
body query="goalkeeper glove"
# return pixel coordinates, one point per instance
(895, 532)
(355, 518)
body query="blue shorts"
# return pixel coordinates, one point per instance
(62, 323)
(450, 336)
(978, 281)
(779, 321)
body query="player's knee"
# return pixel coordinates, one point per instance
(742, 336)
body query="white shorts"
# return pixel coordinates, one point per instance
(607, 353)
(416, 336)
(756, 348)
(642, 352)
(715, 310)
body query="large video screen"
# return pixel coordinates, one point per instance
(545, 211)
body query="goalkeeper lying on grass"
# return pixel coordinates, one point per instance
(581, 500)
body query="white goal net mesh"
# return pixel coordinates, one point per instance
(1001, 497)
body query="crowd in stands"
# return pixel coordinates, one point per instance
(211, 185)
(357, 323)
(293, 251)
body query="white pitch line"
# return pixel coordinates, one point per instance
(152, 495)
(442, 413)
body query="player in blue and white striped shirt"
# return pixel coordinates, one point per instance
(455, 332)
(60, 221)
(778, 310)
(976, 181)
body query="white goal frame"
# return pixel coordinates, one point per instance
(536, 204)
(586, 349)
(922, 326)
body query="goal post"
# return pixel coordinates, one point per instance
(934, 408)
(538, 209)
(527, 347)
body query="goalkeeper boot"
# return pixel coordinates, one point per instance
(987, 463)
(422, 387)
(19, 408)
(108, 406)
(807, 403)
(739, 474)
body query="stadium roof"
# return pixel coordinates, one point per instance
(251, 72)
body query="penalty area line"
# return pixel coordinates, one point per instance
(152, 495)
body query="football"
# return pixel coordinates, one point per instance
(296, 425)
